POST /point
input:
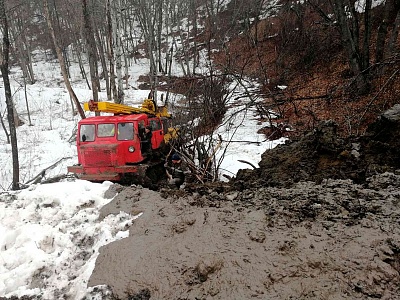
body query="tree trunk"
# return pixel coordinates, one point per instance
(92, 51)
(4, 60)
(5, 129)
(349, 35)
(367, 36)
(195, 33)
(19, 49)
(159, 36)
(22, 48)
(118, 54)
(148, 19)
(382, 32)
(61, 61)
(81, 65)
(395, 32)
(27, 104)
(110, 51)
(103, 64)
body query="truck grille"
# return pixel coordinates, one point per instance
(99, 156)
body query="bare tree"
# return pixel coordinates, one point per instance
(18, 26)
(349, 28)
(391, 13)
(395, 32)
(61, 60)
(150, 16)
(110, 51)
(4, 61)
(102, 44)
(116, 20)
(92, 50)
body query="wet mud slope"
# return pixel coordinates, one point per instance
(334, 240)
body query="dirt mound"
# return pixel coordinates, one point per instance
(324, 154)
(333, 240)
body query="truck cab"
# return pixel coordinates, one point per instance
(110, 146)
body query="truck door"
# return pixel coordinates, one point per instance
(157, 130)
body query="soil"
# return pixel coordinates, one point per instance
(319, 219)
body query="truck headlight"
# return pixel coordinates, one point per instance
(131, 149)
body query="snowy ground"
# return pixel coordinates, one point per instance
(50, 236)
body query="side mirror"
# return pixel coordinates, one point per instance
(83, 137)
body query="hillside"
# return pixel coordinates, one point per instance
(315, 217)
(302, 65)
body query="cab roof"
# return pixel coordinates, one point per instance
(113, 119)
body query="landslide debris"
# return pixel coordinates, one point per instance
(322, 154)
(329, 240)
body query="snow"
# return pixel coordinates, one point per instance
(360, 5)
(50, 234)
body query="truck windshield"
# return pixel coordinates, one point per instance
(86, 134)
(105, 130)
(125, 131)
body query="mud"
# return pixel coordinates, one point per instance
(333, 240)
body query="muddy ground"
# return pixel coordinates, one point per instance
(318, 220)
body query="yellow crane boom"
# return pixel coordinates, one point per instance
(147, 107)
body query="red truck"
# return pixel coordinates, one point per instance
(110, 146)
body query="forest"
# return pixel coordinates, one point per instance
(313, 60)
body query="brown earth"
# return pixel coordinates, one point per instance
(318, 220)
(322, 154)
